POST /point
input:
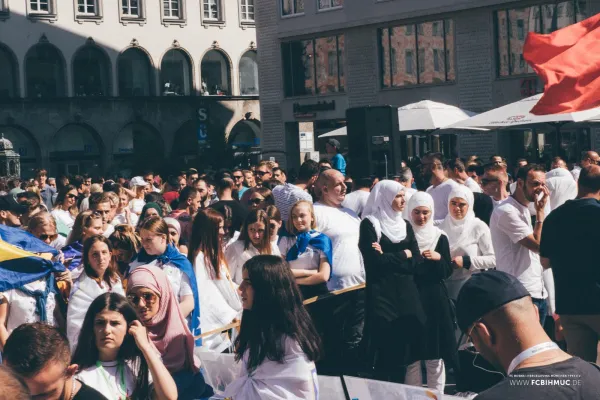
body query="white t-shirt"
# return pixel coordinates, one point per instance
(21, 307)
(219, 303)
(356, 201)
(107, 380)
(236, 257)
(120, 219)
(474, 186)
(440, 195)
(63, 216)
(83, 293)
(109, 231)
(510, 223)
(343, 228)
(136, 206)
(180, 283)
(309, 260)
(576, 171)
(59, 242)
(562, 188)
(294, 379)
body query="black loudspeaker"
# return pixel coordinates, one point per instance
(371, 132)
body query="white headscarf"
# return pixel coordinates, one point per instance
(460, 232)
(427, 235)
(381, 214)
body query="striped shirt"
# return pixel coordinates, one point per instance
(286, 196)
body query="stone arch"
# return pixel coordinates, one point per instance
(215, 71)
(76, 148)
(137, 146)
(26, 145)
(92, 71)
(248, 73)
(244, 135)
(177, 70)
(135, 72)
(45, 71)
(9, 71)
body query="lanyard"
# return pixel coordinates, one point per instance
(530, 352)
(121, 387)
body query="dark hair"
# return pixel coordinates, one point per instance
(86, 354)
(524, 171)
(97, 199)
(308, 170)
(435, 156)
(62, 194)
(455, 163)
(478, 169)
(13, 386)
(363, 183)
(223, 184)
(190, 172)
(279, 169)
(206, 239)
(110, 276)
(273, 213)
(252, 218)
(188, 192)
(589, 179)
(277, 313)
(31, 347)
(77, 181)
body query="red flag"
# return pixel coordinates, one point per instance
(568, 61)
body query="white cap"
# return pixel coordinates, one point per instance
(137, 181)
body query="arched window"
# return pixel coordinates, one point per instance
(176, 74)
(135, 73)
(138, 146)
(91, 72)
(75, 149)
(45, 72)
(249, 73)
(8, 72)
(215, 73)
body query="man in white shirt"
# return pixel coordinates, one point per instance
(458, 172)
(516, 242)
(344, 332)
(432, 168)
(561, 184)
(357, 200)
(287, 195)
(587, 158)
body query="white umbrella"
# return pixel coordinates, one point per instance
(517, 113)
(429, 115)
(338, 132)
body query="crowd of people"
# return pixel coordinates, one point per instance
(448, 253)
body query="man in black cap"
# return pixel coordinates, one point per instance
(337, 160)
(11, 211)
(496, 312)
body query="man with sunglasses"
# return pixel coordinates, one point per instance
(263, 173)
(587, 158)
(11, 211)
(43, 227)
(494, 183)
(238, 182)
(498, 315)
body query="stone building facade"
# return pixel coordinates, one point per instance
(118, 86)
(467, 54)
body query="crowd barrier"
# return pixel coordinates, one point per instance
(306, 302)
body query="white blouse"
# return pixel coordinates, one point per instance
(107, 380)
(236, 257)
(22, 309)
(64, 216)
(84, 292)
(219, 303)
(309, 260)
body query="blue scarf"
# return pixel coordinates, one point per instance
(40, 297)
(74, 252)
(317, 240)
(173, 256)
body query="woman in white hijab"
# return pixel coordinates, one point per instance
(470, 240)
(395, 317)
(438, 344)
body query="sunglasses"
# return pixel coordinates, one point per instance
(236, 177)
(261, 173)
(46, 237)
(255, 201)
(71, 196)
(149, 298)
(485, 181)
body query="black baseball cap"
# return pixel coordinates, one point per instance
(334, 143)
(485, 292)
(9, 203)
